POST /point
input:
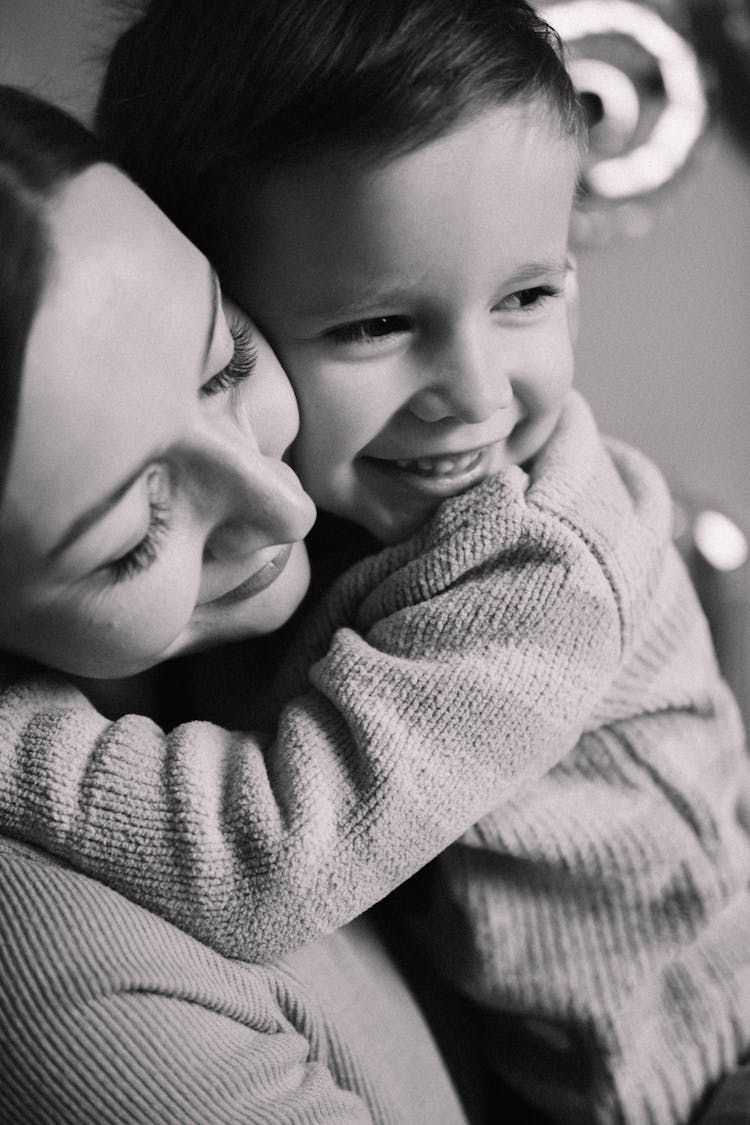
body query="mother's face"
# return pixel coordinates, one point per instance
(146, 503)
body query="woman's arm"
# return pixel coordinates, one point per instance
(452, 668)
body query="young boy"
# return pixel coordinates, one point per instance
(388, 192)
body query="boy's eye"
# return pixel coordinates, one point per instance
(241, 365)
(369, 331)
(526, 300)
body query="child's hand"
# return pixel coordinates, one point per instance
(397, 524)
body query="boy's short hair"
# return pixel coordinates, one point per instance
(197, 88)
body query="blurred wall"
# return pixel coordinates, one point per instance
(664, 347)
(664, 350)
(56, 47)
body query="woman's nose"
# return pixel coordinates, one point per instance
(251, 501)
(467, 383)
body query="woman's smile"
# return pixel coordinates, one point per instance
(259, 580)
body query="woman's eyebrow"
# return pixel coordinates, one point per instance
(97, 511)
(82, 523)
(215, 302)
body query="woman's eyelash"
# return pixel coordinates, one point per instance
(146, 552)
(241, 365)
(368, 331)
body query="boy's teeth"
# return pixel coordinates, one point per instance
(438, 466)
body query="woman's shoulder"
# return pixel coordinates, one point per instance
(64, 933)
(100, 999)
(110, 1013)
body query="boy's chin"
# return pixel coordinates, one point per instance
(391, 526)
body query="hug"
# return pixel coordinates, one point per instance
(317, 258)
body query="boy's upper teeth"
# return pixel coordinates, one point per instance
(443, 463)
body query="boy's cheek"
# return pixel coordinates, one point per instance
(340, 489)
(572, 298)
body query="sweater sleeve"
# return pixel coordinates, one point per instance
(450, 670)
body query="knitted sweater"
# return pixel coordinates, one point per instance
(109, 1015)
(536, 649)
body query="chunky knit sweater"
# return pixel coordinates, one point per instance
(535, 650)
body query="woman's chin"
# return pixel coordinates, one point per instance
(255, 616)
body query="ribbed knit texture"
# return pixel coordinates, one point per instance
(111, 1016)
(536, 649)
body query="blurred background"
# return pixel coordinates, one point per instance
(662, 236)
(664, 347)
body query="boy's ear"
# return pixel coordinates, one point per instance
(571, 295)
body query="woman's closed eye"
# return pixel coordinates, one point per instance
(146, 552)
(371, 330)
(241, 365)
(140, 557)
(528, 300)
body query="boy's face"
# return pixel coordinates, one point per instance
(421, 309)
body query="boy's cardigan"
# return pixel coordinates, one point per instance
(535, 650)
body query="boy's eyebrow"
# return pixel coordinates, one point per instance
(336, 306)
(531, 271)
(92, 515)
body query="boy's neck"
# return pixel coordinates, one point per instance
(335, 544)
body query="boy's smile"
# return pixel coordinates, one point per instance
(419, 306)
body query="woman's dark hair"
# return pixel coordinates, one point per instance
(196, 88)
(41, 147)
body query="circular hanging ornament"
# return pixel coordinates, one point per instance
(645, 94)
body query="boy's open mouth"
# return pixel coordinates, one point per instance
(446, 465)
(440, 476)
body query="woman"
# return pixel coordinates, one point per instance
(146, 511)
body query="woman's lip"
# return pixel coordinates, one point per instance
(260, 580)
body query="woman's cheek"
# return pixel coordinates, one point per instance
(132, 628)
(272, 410)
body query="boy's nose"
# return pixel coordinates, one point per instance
(467, 384)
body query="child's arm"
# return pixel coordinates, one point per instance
(463, 662)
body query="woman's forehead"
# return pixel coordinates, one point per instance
(111, 244)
